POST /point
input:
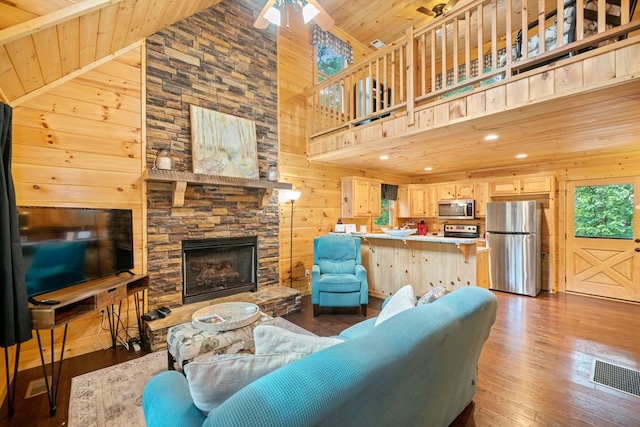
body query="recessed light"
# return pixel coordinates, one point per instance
(491, 137)
(384, 157)
(428, 168)
(521, 156)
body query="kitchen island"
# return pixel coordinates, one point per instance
(425, 262)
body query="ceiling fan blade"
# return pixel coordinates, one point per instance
(261, 23)
(450, 5)
(426, 11)
(322, 19)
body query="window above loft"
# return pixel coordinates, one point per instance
(332, 54)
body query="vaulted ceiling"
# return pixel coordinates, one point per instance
(46, 41)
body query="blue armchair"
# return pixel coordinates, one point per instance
(338, 278)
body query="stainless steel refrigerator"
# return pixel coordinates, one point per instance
(513, 234)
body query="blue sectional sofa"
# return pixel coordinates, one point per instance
(418, 368)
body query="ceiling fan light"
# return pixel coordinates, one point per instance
(309, 12)
(273, 15)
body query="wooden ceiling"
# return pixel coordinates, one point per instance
(597, 127)
(45, 41)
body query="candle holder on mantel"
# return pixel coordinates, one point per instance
(163, 160)
(272, 174)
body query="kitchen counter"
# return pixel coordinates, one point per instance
(425, 262)
(415, 237)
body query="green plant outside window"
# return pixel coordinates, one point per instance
(384, 220)
(604, 211)
(328, 62)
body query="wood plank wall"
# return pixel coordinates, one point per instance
(318, 208)
(81, 143)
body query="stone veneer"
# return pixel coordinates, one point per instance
(215, 59)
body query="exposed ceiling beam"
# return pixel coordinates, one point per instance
(46, 21)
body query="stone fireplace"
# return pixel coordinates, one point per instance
(214, 59)
(214, 268)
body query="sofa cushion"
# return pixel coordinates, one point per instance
(431, 296)
(270, 339)
(402, 300)
(339, 283)
(337, 266)
(214, 380)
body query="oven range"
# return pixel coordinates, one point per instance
(461, 231)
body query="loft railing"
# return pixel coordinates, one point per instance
(478, 43)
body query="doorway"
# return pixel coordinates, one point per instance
(603, 238)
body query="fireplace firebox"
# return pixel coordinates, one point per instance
(214, 268)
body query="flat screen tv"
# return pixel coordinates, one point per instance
(62, 247)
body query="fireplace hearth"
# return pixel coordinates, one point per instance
(214, 268)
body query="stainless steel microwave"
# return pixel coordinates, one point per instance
(456, 209)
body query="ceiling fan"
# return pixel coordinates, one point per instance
(317, 13)
(438, 9)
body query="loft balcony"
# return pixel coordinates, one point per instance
(482, 58)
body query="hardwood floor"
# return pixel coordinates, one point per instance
(534, 368)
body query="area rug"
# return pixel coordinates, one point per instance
(113, 396)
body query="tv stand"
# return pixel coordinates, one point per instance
(44, 301)
(77, 301)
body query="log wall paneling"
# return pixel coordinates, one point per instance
(81, 144)
(318, 209)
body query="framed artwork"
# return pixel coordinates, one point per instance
(223, 144)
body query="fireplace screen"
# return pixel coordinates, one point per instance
(214, 268)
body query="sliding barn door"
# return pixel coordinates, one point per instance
(603, 238)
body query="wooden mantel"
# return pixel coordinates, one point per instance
(181, 179)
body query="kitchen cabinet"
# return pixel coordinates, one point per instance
(456, 191)
(417, 201)
(538, 184)
(361, 197)
(403, 202)
(482, 268)
(432, 203)
(527, 185)
(481, 196)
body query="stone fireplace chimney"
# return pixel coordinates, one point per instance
(216, 60)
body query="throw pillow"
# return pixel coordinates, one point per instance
(212, 381)
(272, 339)
(431, 296)
(402, 300)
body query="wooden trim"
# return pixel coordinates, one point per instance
(179, 181)
(412, 61)
(62, 80)
(46, 21)
(579, 45)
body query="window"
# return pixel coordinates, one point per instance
(604, 211)
(332, 54)
(386, 214)
(328, 62)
